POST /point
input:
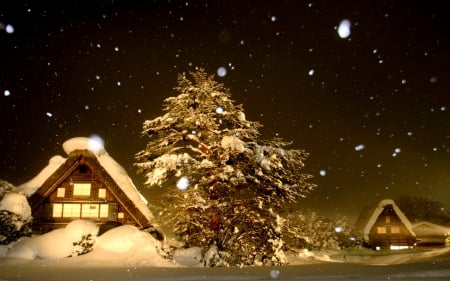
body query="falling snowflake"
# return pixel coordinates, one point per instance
(219, 110)
(9, 29)
(221, 71)
(344, 28)
(360, 147)
(183, 183)
(311, 72)
(7, 93)
(323, 173)
(95, 143)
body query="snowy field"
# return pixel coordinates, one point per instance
(140, 264)
(126, 253)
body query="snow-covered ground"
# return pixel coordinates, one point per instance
(125, 253)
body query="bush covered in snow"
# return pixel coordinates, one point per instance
(15, 217)
(306, 229)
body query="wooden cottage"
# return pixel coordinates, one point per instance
(89, 184)
(384, 226)
(431, 234)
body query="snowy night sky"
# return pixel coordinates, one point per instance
(372, 108)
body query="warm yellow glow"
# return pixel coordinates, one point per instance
(71, 210)
(57, 210)
(104, 210)
(381, 230)
(89, 211)
(61, 192)
(81, 189)
(102, 193)
(395, 229)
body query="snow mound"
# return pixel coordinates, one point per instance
(188, 257)
(126, 238)
(16, 203)
(83, 143)
(56, 244)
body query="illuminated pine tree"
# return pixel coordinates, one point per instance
(232, 185)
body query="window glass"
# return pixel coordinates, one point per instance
(81, 189)
(71, 210)
(61, 192)
(104, 210)
(381, 229)
(102, 193)
(57, 210)
(395, 229)
(89, 211)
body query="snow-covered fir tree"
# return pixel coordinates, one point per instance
(232, 185)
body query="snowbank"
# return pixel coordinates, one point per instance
(16, 203)
(58, 243)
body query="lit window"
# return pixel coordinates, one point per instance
(102, 193)
(89, 211)
(395, 229)
(104, 211)
(71, 210)
(381, 229)
(61, 192)
(120, 215)
(57, 210)
(81, 189)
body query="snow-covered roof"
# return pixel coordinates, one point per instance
(426, 226)
(116, 171)
(376, 213)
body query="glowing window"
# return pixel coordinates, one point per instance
(102, 193)
(61, 192)
(81, 189)
(120, 215)
(104, 211)
(381, 230)
(89, 211)
(57, 210)
(71, 210)
(395, 229)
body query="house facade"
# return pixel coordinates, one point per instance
(87, 185)
(384, 226)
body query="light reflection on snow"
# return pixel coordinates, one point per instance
(183, 183)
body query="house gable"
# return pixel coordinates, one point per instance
(387, 226)
(88, 186)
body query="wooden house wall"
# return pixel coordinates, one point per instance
(389, 230)
(44, 219)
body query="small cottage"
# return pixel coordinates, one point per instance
(88, 184)
(384, 226)
(430, 234)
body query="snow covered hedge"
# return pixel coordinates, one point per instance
(15, 214)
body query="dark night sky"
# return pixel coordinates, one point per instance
(373, 109)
